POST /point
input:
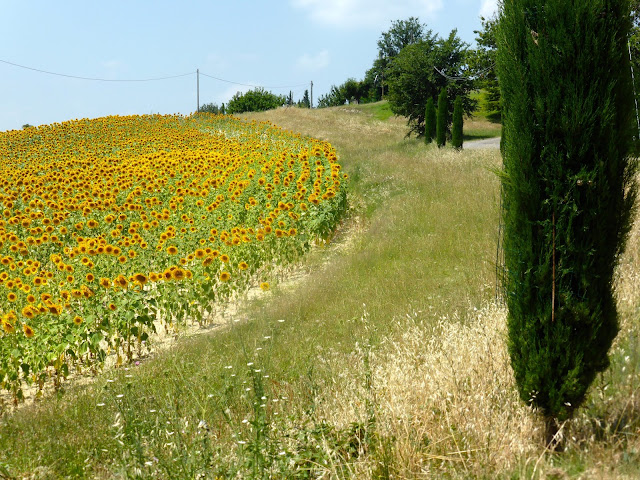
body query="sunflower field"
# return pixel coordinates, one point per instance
(109, 225)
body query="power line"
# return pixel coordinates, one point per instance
(249, 85)
(96, 79)
(460, 79)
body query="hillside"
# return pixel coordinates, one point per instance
(380, 355)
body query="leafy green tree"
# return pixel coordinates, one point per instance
(209, 108)
(350, 91)
(456, 130)
(401, 34)
(568, 191)
(482, 63)
(441, 122)
(413, 78)
(305, 103)
(430, 122)
(257, 100)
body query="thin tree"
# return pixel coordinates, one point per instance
(430, 121)
(456, 129)
(441, 123)
(568, 191)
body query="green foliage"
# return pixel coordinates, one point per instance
(482, 63)
(209, 108)
(430, 121)
(441, 122)
(568, 190)
(456, 130)
(305, 103)
(351, 91)
(401, 34)
(413, 78)
(257, 100)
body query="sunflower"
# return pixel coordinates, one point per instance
(172, 250)
(29, 311)
(105, 282)
(140, 278)
(224, 258)
(77, 320)
(264, 286)
(121, 281)
(243, 265)
(178, 274)
(7, 326)
(225, 276)
(28, 331)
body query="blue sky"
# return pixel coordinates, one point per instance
(288, 44)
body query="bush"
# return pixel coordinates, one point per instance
(430, 121)
(257, 100)
(441, 124)
(456, 130)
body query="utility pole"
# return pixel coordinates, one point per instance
(311, 96)
(198, 88)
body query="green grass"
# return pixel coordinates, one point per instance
(415, 258)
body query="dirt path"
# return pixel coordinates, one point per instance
(482, 144)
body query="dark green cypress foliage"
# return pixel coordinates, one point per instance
(456, 130)
(441, 123)
(430, 121)
(568, 190)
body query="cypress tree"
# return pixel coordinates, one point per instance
(430, 121)
(456, 130)
(441, 123)
(568, 191)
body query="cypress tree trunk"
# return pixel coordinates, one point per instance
(441, 124)
(430, 121)
(568, 190)
(456, 130)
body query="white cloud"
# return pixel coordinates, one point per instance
(313, 63)
(366, 13)
(488, 8)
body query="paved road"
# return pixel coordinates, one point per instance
(487, 143)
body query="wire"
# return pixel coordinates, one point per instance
(460, 79)
(249, 85)
(96, 79)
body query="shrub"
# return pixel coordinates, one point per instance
(430, 121)
(441, 124)
(257, 100)
(456, 131)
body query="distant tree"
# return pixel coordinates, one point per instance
(351, 91)
(482, 62)
(305, 103)
(430, 121)
(456, 129)
(256, 100)
(290, 99)
(568, 191)
(209, 108)
(441, 122)
(26, 125)
(401, 34)
(413, 78)
(334, 98)
(222, 109)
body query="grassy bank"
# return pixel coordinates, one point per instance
(383, 359)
